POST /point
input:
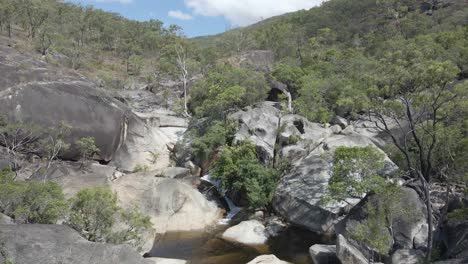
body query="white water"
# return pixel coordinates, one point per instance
(233, 209)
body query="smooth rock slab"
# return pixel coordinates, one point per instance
(53, 244)
(250, 233)
(167, 261)
(267, 259)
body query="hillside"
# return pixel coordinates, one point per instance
(352, 22)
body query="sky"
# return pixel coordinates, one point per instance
(201, 17)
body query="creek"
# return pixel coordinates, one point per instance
(207, 247)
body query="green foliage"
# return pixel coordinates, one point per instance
(240, 171)
(136, 224)
(54, 143)
(95, 214)
(141, 168)
(31, 201)
(311, 95)
(4, 254)
(355, 172)
(293, 139)
(19, 137)
(458, 214)
(288, 74)
(227, 88)
(216, 135)
(87, 147)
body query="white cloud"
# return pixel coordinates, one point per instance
(179, 15)
(245, 12)
(115, 1)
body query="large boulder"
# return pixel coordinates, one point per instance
(6, 220)
(300, 192)
(172, 204)
(251, 233)
(347, 253)
(167, 261)
(455, 233)
(260, 60)
(44, 244)
(33, 91)
(297, 130)
(259, 125)
(73, 177)
(323, 254)
(267, 259)
(409, 225)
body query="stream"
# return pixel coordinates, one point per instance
(207, 247)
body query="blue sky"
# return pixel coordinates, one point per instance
(201, 17)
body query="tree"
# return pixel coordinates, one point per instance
(7, 15)
(31, 202)
(241, 172)
(355, 174)
(218, 134)
(87, 148)
(236, 41)
(227, 88)
(288, 75)
(96, 216)
(92, 213)
(184, 65)
(54, 143)
(35, 14)
(415, 101)
(135, 225)
(19, 137)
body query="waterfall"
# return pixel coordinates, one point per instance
(233, 209)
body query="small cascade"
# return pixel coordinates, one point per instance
(233, 209)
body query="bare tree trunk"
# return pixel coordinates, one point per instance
(9, 30)
(185, 97)
(427, 195)
(290, 109)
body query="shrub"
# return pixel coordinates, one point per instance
(225, 88)
(87, 148)
(218, 134)
(92, 213)
(355, 172)
(31, 201)
(95, 214)
(141, 168)
(240, 170)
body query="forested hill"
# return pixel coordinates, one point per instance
(105, 46)
(360, 24)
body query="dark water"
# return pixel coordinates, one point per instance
(208, 248)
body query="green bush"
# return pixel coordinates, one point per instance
(216, 135)
(226, 88)
(31, 201)
(240, 170)
(141, 168)
(95, 213)
(87, 147)
(355, 172)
